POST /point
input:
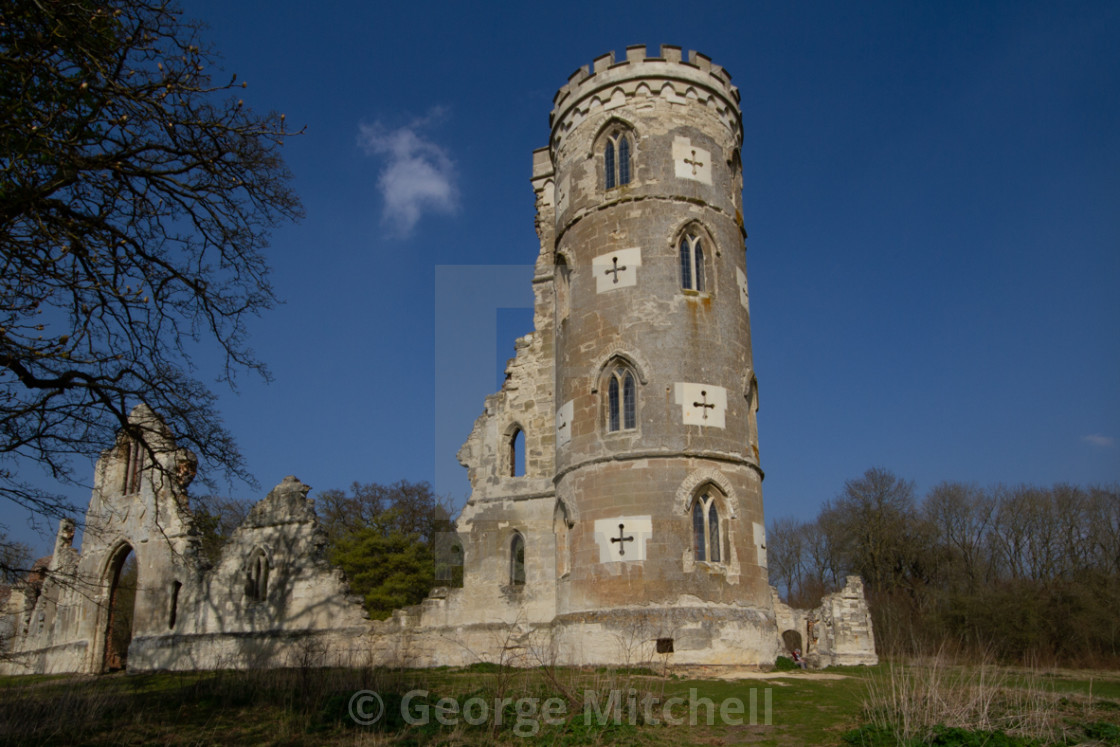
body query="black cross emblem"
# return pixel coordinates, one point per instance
(616, 269)
(620, 539)
(705, 404)
(693, 163)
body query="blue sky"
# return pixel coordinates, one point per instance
(932, 195)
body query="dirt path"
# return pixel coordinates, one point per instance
(746, 673)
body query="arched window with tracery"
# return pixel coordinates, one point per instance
(517, 560)
(622, 399)
(617, 164)
(693, 269)
(706, 535)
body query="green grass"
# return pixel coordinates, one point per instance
(302, 706)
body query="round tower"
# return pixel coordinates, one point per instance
(657, 467)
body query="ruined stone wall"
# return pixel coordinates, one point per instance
(837, 632)
(272, 599)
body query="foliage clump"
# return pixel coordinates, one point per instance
(385, 538)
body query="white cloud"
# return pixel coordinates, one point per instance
(418, 175)
(1096, 439)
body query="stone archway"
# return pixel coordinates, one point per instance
(121, 574)
(791, 639)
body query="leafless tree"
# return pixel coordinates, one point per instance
(785, 550)
(136, 196)
(15, 560)
(873, 520)
(961, 516)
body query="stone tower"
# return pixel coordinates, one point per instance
(616, 495)
(656, 439)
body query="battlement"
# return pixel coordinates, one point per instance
(606, 73)
(585, 77)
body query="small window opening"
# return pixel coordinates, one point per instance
(256, 586)
(664, 645)
(560, 530)
(517, 453)
(517, 560)
(563, 287)
(175, 587)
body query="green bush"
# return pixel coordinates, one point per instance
(785, 664)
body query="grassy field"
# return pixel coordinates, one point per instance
(897, 703)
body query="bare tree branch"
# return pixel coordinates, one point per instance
(136, 196)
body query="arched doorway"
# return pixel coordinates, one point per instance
(122, 573)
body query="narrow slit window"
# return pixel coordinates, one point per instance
(517, 560)
(623, 160)
(629, 416)
(686, 265)
(608, 163)
(517, 453)
(713, 533)
(698, 264)
(698, 530)
(174, 611)
(612, 403)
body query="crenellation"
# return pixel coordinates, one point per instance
(670, 53)
(702, 61)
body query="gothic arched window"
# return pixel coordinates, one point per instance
(622, 400)
(616, 159)
(517, 560)
(256, 584)
(692, 263)
(517, 453)
(133, 464)
(706, 528)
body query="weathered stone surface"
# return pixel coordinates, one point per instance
(838, 632)
(634, 531)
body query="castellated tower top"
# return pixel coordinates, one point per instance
(610, 83)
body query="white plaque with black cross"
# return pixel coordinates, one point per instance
(616, 270)
(623, 538)
(701, 404)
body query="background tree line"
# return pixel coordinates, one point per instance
(1022, 573)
